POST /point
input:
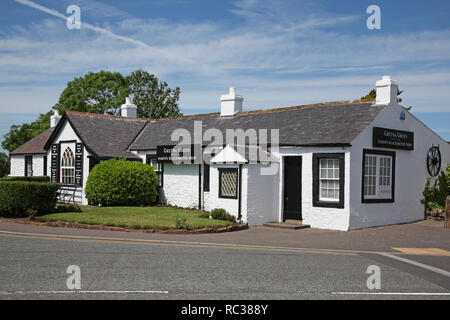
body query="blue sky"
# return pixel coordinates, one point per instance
(276, 53)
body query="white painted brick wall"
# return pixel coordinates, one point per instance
(17, 166)
(181, 185)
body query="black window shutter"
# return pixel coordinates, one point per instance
(45, 166)
(206, 170)
(79, 164)
(54, 174)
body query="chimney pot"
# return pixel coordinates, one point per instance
(386, 91)
(54, 119)
(128, 109)
(230, 103)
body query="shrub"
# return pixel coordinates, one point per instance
(204, 215)
(18, 197)
(222, 214)
(28, 179)
(181, 223)
(434, 196)
(447, 174)
(118, 182)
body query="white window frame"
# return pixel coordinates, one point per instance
(328, 178)
(68, 167)
(378, 176)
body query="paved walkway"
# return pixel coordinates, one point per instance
(424, 238)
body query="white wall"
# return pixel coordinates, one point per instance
(17, 166)
(262, 196)
(317, 217)
(410, 172)
(68, 134)
(180, 185)
(212, 200)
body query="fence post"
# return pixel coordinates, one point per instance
(447, 212)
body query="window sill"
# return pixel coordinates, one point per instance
(328, 204)
(378, 201)
(225, 197)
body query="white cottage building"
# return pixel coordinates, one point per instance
(342, 166)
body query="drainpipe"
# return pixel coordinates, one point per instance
(239, 193)
(199, 187)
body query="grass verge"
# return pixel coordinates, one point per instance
(138, 217)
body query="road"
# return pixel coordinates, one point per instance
(33, 265)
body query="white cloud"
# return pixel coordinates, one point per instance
(271, 57)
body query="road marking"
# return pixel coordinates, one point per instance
(183, 243)
(395, 293)
(82, 291)
(417, 264)
(424, 251)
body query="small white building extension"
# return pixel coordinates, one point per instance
(342, 166)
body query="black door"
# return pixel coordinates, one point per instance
(292, 188)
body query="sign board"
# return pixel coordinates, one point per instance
(393, 139)
(177, 153)
(79, 164)
(54, 169)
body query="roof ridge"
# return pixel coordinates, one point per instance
(344, 102)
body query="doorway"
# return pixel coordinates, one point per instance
(292, 188)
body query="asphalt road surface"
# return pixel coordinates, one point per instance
(34, 267)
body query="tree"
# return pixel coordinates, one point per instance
(373, 95)
(103, 92)
(100, 92)
(4, 164)
(19, 134)
(153, 98)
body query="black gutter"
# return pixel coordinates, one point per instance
(199, 187)
(239, 193)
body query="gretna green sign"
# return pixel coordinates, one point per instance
(185, 153)
(393, 139)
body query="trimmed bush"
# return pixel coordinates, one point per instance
(118, 182)
(22, 198)
(204, 215)
(222, 214)
(28, 179)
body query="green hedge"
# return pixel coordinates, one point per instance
(118, 182)
(21, 198)
(222, 214)
(28, 179)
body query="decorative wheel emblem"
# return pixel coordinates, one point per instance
(434, 161)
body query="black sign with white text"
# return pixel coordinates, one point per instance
(176, 153)
(79, 164)
(393, 139)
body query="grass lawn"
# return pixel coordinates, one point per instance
(136, 217)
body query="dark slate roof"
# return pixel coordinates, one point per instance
(35, 145)
(105, 136)
(330, 124)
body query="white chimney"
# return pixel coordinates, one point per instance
(54, 119)
(128, 110)
(386, 91)
(230, 103)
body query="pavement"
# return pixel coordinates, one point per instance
(258, 263)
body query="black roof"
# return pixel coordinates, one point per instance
(315, 125)
(35, 145)
(328, 124)
(103, 136)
